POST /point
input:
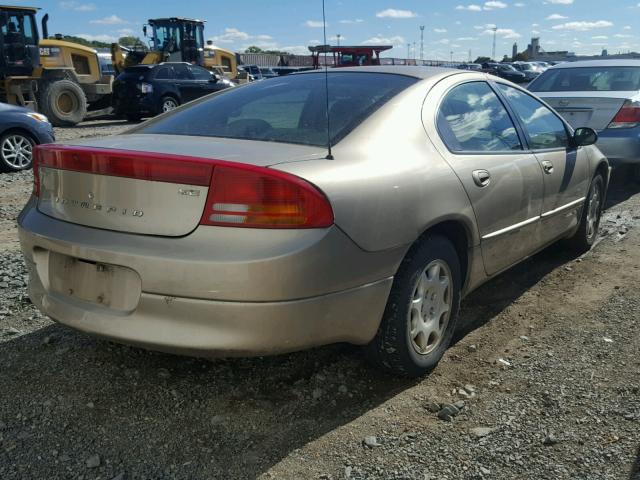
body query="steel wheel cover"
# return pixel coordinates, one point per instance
(430, 309)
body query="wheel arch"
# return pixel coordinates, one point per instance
(21, 130)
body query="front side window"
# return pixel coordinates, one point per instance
(543, 127)
(290, 109)
(471, 118)
(181, 72)
(200, 73)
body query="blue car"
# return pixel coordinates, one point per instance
(20, 130)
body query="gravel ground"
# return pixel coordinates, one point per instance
(541, 384)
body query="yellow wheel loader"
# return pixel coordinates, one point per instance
(62, 80)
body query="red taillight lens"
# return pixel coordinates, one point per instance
(36, 176)
(628, 116)
(247, 196)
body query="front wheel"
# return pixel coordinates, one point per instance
(421, 312)
(16, 152)
(587, 232)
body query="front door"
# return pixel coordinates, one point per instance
(502, 179)
(20, 52)
(565, 168)
(189, 88)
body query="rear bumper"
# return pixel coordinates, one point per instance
(209, 293)
(620, 146)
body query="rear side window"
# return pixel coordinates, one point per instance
(588, 79)
(543, 127)
(289, 109)
(164, 73)
(182, 72)
(471, 118)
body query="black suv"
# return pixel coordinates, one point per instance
(146, 90)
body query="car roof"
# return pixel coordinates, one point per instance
(407, 71)
(599, 63)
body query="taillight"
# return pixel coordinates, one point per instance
(36, 177)
(258, 197)
(628, 116)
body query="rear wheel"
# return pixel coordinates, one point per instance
(589, 226)
(63, 102)
(422, 310)
(167, 104)
(16, 151)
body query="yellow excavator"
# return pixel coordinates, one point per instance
(60, 79)
(176, 39)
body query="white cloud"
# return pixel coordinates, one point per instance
(78, 7)
(627, 27)
(440, 30)
(583, 26)
(394, 13)
(126, 32)
(600, 37)
(444, 41)
(620, 35)
(556, 16)
(519, 4)
(110, 20)
(491, 5)
(561, 2)
(466, 39)
(380, 40)
(507, 33)
(471, 8)
(98, 38)
(233, 35)
(348, 21)
(314, 24)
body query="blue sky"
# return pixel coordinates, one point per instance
(581, 26)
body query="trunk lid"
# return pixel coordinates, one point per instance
(584, 109)
(145, 184)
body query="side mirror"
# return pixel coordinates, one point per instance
(215, 78)
(584, 136)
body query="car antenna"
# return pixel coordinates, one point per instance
(326, 82)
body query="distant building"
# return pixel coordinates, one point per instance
(514, 52)
(535, 52)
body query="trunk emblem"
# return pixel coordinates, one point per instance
(189, 193)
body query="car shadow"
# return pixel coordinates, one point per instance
(622, 186)
(635, 469)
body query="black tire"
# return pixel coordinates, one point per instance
(64, 102)
(393, 348)
(165, 100)
(21, 144)
(587, 232)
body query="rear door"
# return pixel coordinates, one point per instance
(502, 179)
(187, 85)
(565, 168)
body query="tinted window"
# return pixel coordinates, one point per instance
(472, 119)
(164, 73)
(200, 73)
(543, 127)
(288, 109)
(181, 72)
(591, 79)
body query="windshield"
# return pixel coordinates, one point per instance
(287, 109)
(588, 79)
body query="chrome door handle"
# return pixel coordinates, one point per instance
(547, 166)
(481, 178)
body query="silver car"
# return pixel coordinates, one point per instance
(227, 227)
(603, 95)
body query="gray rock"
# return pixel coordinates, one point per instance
(480, 432)
(371, 441)
(448, 412)
(459, 404)
(93, 461)
(550, 440)
(433, 407)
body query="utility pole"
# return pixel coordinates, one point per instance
(414, 50)
(408, 51)
(338, 38)
(451, 53)
(469, 55)
(493, 50)
(421, 42)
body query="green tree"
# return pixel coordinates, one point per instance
(253, 49)
(82, 41)
(482, 60)
(522, 57)
(130, 41)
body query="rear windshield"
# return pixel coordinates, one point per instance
(588, 79)
(289, 109)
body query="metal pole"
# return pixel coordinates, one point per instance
(408, 50)
(338, 38)
(421, 42)
(414, 50)
(493, 51)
